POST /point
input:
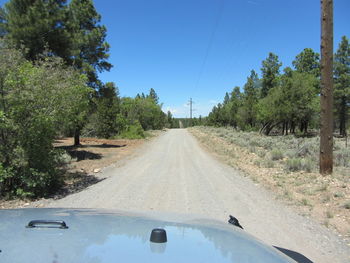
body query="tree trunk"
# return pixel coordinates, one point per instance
(326, 125)
(306, 126)
(292, 127)
(342, 117)
(301, 127)
(77, 137)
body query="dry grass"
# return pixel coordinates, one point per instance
(288, 166)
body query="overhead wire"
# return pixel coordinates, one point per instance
(210, 43)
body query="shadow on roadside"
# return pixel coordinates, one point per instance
(104, 145)
(84, 155)
(75, 182)
(294, 255)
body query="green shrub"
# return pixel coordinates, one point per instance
(43, 99)
(257, 163)
(261, 153)
(254, 142)
(338, 194)
(133, 131)
(298, 164)
(276, 154)
(268, 163)
(293, 165)
(252, 149)
(291, 154)
(307, 165)
(342, 157)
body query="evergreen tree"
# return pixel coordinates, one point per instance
(226, 98)
(293, 101)
(270, 72)
(88, 48)
(248, 110)
(36, 25)
(342, 83)
(234, 104)
(153, 95)
(307, 61)
(107, 110)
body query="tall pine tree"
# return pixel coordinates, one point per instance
(270, 72)
(342, 83)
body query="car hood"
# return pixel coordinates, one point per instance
(100, 236)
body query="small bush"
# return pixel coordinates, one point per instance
(291, 154)
(347, 205)
(133, 131)
(305, 202)
(293, 165)
(307, 149)
(338, 194)
(252, 149)
(342, 157)
(329, 214)
(261, 154)
(269, 164)
(257, 163)
(322, 188)
(307, 165)
(276, 154)
(254, 142)
(267, 143)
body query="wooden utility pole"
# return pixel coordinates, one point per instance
(326, 125)
(191, 102)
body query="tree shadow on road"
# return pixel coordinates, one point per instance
(75, 182)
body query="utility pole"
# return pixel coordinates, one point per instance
(191, 102)
(326, 125)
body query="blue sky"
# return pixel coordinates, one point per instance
(201, 49)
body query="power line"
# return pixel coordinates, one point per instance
(191, 110)
(218, 17)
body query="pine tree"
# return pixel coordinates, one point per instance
(307, 61)
(270, 72)
(88, 48)
(342, 83)
(153, 95)
(250, 100)
(107, 109)
(226, 98)
(36, 25)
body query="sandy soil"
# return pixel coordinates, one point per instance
(172, 173)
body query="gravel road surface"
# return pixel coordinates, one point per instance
(172, 173)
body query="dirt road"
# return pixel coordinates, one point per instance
(174, 174)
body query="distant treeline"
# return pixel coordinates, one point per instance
(287, 102)
(50, 54)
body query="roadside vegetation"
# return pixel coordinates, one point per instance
(288, 166)
(289, 102)
(50, 55)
